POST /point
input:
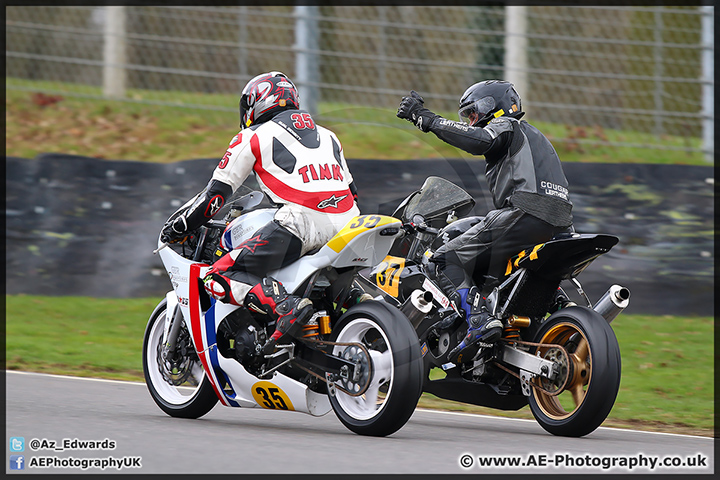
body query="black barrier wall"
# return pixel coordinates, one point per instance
(83, 226)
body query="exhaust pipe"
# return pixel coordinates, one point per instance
(417, 306)
(615, 300)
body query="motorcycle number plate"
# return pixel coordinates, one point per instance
(387, 274)
(270, 396)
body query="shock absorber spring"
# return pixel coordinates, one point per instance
(511, 333)
(513, 326)
(311, 330)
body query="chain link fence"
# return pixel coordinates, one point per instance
(646, 70)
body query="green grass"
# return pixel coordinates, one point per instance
(668, 369)
(76, 335)
(667, 376)
(170, 127)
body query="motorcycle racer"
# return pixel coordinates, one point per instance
(300, 166)
(528, 186)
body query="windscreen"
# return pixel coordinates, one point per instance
(437, 197)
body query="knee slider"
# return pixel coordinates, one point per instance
(217, 287)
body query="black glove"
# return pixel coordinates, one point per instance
(175, 229)
(412, 109)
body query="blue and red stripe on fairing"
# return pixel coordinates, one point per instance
(210, 335)
(201, 344)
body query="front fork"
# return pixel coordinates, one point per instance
(173, 322)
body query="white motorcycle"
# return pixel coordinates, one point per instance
(357, 356)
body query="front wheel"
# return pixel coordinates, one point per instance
(177, 382)
(584, 391)
(395, 369)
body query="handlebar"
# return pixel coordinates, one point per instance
(211, 224)
(216, 224)
(411, 227)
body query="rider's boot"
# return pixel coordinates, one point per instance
(290, 312)
(483, 328)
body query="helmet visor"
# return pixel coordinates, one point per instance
(476, 110)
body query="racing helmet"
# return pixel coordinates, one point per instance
(490, 99)
(266, 95)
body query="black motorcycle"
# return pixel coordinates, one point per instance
(561, 358)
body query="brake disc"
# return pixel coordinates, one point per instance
(176, 367)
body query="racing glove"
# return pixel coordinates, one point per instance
(413, 110)
(174, 229)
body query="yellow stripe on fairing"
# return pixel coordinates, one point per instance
(356, 226)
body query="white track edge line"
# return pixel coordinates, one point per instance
(493, 417)
(92, 379)
(424, 410)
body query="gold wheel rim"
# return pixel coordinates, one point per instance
(564, 404)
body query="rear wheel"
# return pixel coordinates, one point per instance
(583, 393)
(394, 370)
(177, 383)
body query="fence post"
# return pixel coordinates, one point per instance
(114, 52)
(708, 72)
(658, 73)
(307, 35)
(243, 45)
(516, 44)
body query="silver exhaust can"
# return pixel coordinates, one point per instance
(615, 300)
(417, 306)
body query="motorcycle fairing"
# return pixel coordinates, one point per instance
(242, 228)
(222, 371)
(203, 337)
(364, 241)
(565, 257)
(186, 276)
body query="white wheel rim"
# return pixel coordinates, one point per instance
(371, 403)
(174, 395)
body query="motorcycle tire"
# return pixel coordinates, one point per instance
(396, 366)
(189, 399)
(591, 377)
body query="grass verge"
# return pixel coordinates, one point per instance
(667, 361)
(168, 126)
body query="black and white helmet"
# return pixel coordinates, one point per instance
(490, 99)
(266, 95)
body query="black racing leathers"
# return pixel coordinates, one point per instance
(522, 168)
(529, 190)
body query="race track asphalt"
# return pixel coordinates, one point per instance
(68, 410)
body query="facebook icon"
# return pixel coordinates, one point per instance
(17, 462)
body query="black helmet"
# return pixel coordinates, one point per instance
(266, 95)
(487, 100)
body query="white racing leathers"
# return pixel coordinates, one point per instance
(299, 165)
